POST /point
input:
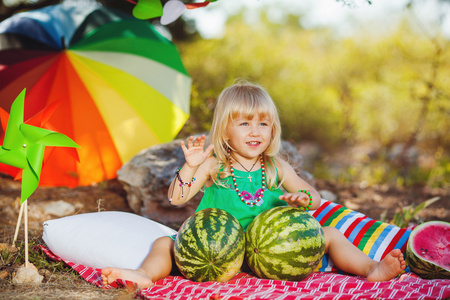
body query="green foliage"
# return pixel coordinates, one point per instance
(382, 169)
(10, 259)
(439, 175)
(408, 214)
(370, 172)
(330, 90)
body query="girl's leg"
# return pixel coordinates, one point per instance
(348, 258)
(157, 265)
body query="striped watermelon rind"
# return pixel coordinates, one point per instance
(284, 243)
(436, 235)
(210, 246)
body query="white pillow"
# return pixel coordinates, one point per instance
(103, 239)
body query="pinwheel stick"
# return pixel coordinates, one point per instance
(23, 207)
(25, 204)
(18, 224)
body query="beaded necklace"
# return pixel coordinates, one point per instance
(258, 199)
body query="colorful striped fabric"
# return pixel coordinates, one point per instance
(374, 238)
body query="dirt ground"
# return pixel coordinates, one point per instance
(110, 195)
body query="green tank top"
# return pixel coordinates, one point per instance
(227, 199)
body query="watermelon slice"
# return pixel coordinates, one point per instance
(428, 250)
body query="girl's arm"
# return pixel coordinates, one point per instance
(293, 184)
(184, 186)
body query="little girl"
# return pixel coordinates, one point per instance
(244, 176)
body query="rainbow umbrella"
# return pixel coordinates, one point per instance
(121, 85)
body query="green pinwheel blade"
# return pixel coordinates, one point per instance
(46, 137)
(32, 173)
(13, 138)
(13, 158)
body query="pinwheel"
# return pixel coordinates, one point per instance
(23, 147)
(148, 9)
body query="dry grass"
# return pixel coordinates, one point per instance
(62, 288)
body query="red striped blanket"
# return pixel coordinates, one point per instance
(319, 285)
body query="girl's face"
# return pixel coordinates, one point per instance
(249, 138)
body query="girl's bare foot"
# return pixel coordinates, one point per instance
(138, 276)
(392, 265)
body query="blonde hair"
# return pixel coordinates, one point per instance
(247, 100)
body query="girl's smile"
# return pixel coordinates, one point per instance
(249, 137)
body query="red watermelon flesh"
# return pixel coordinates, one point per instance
(433, 245)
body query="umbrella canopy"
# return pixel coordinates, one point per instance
(121, 85)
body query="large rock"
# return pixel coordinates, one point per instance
(147, 176)
(27, 275)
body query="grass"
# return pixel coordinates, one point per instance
(10, 258)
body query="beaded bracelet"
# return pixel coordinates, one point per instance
(182, 183)
(308, 207)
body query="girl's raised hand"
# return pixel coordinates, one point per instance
(194, 153)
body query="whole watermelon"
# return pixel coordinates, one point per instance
(284, 243)
(210, 246)
(428, 250)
